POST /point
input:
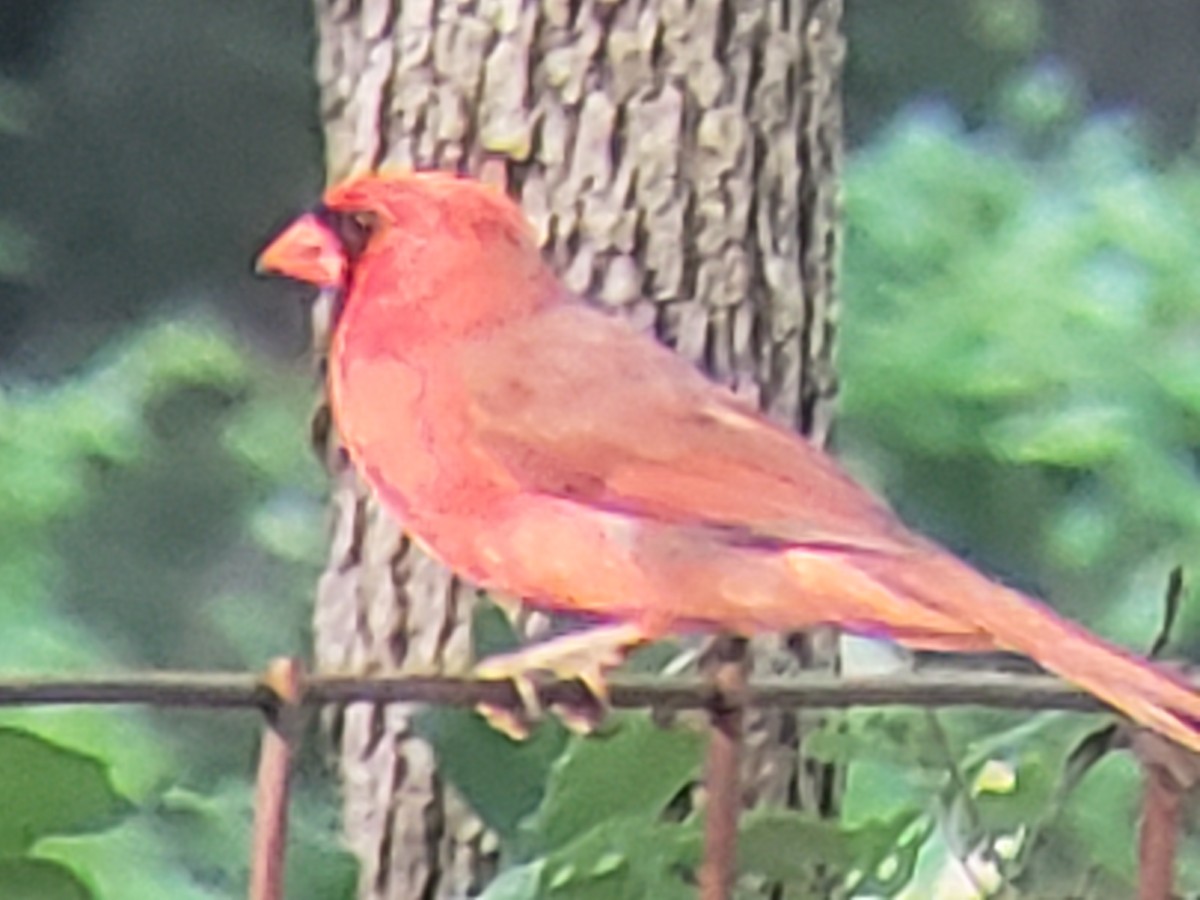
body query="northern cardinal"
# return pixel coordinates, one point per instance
(542, 449)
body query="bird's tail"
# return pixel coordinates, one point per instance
(1149, 695)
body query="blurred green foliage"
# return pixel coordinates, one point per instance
(160, 509)
(1019, 350)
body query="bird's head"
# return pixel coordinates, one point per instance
(415, 217)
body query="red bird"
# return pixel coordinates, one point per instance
(542, 449)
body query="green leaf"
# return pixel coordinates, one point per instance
(891, 852)
(1089, 847)
(210, 833)
(518, 883)
(894, 767)
(880, 791)
(623, 856)
(491, 630)
(634, 769)
(503, 780)
(49, 789)
(136, 757)
(786, 846)
(1037, 754)
(1101, 815)
(35, 879)
(132, 862)
(1080, 436)
(195, 846)
(898, 782)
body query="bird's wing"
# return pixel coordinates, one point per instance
(577, 405)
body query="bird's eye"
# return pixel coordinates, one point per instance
(353, 229)
(365, 220)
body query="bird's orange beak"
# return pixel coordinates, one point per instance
(307, 250)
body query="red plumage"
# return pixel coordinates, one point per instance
(547, 451)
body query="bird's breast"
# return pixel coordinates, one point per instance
(402, 417)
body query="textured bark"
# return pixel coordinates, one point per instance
(679, 160)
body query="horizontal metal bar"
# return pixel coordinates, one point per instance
(812, 690)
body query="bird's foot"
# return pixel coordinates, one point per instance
(584, 656)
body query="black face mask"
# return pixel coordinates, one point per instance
(352, 230)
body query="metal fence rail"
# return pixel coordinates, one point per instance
(285, 689)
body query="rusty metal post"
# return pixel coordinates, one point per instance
(1159, 834)
(722, 777)
(1169, 774)
(284, 678)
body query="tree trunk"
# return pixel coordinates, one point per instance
(679, 161)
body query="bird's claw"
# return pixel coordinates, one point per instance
(512, 721)
(584, 656)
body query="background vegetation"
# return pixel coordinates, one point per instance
(1019, 355)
